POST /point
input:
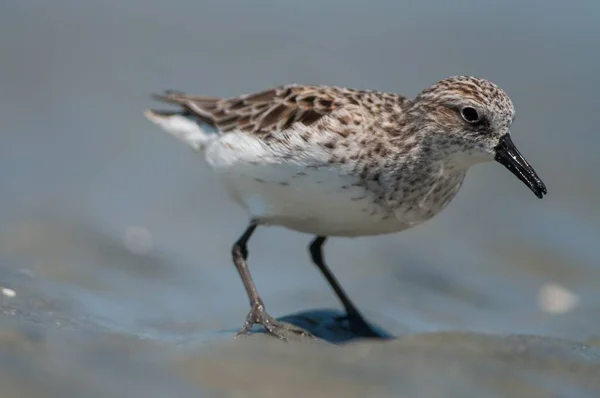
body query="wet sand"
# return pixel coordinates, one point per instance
(36, 361)
(57, 338)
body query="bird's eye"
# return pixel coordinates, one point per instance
(469, 114)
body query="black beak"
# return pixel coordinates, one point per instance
(508, 155)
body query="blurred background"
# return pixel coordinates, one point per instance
(115, 238)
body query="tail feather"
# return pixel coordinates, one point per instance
(201, 107)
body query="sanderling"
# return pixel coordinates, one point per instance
(332, 161)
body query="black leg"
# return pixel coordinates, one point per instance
(357, 321)
(257, 314)
(240, 255)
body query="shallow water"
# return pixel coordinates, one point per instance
(115, 238)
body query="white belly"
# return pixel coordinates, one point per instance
(315, 201)
(297, 189)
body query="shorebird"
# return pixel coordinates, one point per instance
(332, 161)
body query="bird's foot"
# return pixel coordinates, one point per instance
(258, 315)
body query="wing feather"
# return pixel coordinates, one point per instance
(260, 113)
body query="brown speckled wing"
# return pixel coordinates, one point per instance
(261, 113)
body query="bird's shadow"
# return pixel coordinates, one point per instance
(334, 326)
